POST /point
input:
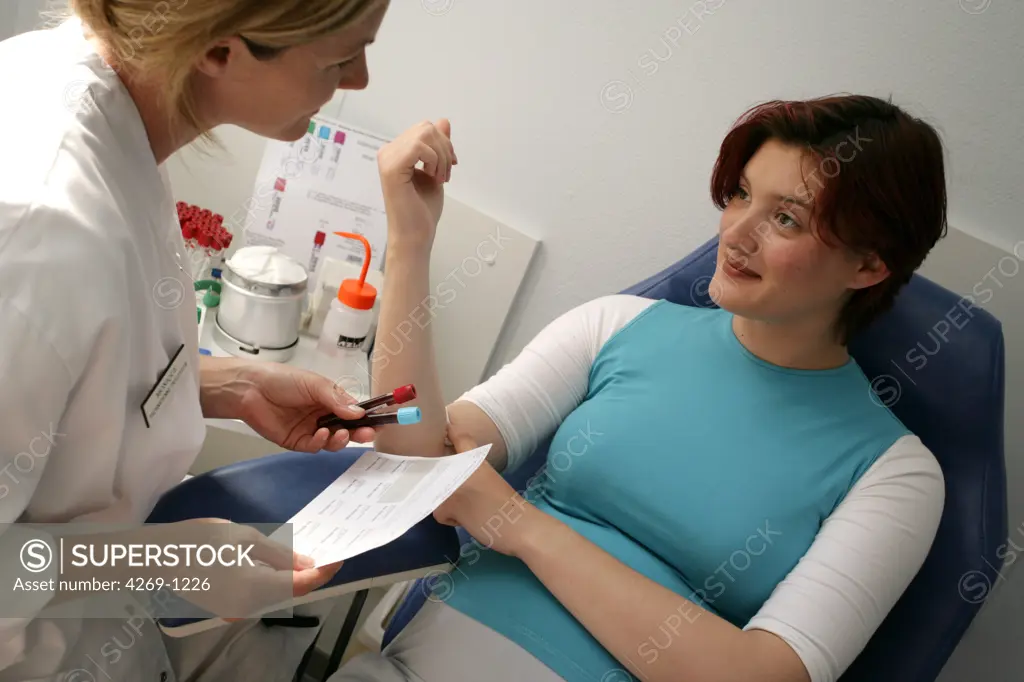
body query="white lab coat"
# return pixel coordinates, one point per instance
(93, 305)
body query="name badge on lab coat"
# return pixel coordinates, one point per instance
(167, 380)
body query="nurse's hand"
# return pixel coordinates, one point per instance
(282, 403)
(414, 196)
(239, 591)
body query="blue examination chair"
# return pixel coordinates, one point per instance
(953, 401)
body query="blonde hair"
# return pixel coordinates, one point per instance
(161, 39)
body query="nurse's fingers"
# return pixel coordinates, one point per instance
(333, 397)
(275, 554)
(364, 434)
(337, 400)
(338, 440)
(342, 438)
(305, 581)
(321, 439)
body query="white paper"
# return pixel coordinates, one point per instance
(378, 499)
(328, 182)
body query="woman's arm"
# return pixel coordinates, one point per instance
(403, 346)
(623, 610)
(404, 352)
(527, 399)
(811, 628)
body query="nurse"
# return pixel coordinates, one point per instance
(94, 302)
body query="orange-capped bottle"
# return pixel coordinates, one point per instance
(347, 323)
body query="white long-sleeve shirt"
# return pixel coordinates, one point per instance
(93, 305)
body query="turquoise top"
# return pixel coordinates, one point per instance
(409, 415)
(695, 463)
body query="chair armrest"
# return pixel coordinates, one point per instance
(270, 490)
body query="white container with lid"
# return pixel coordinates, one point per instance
(261, 304)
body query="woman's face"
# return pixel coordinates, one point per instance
(276, 98)
(772, 266)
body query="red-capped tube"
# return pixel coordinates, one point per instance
(404, 394)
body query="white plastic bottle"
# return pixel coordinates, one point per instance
(348, 321)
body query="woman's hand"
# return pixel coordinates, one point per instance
(282, 404)
(489, 508)
(414, 197)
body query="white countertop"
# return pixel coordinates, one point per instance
(305, 357)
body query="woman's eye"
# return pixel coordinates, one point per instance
(343, 64)
(786, 220)
(741, 194)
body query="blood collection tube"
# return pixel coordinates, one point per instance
(314, 256)
(404, 415)
(400, 395)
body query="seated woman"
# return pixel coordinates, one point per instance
(725, 498)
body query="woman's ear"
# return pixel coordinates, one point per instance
(871, 271)
(219, 56)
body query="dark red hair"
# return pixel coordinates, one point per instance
(880, 185)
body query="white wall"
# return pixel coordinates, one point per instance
(18, 16)
(8, 19)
